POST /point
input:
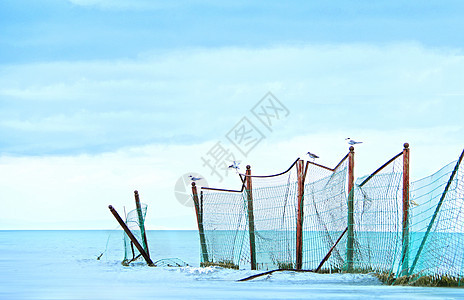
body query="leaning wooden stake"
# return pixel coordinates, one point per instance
(201, 231)
(131, 236)
(350, 238)
(141, 221)
(405, 240)
(299, 221)
(326, 257)
(251, 218)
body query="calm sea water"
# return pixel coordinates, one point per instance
(64, 265)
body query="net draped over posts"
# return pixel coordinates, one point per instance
(314, 217)
(224, 221)
(325, 215)
(378, 219)
(438, 224)
(135, 222)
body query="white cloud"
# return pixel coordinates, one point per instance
(143, 123)
(73, 192)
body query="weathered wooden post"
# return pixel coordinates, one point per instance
(199, 213)
(350, 204)
(405, 237)
(251, 218)
(299, 221)
(141, 222)
(131, 236)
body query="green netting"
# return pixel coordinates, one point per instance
(427, 242)
(437, 225)
(325, 211)
(274, 211)
(135, 222)
(378, 212)
(224, 224)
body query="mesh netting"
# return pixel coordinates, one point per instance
(419, 236)
(437, 240)
(224, 224)
(274, 211)
(137, 227)
(378, 212)
(325, 212)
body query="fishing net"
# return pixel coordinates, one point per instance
(223, 217)
(325, 211)
(420, 237)
(135, 221)
(437, 221)
(274, 214)
(378, 211)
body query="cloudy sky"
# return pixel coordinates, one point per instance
(99, 98)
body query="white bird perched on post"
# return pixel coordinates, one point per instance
(312, 155)
(352, 142)
(194, 178)
(234, 165)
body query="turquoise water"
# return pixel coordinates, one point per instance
(64, 265)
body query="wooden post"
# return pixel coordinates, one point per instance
(299, 221)
(199, 214)
(251, 218)
(405, 237)
(141, 221)
(131, 236)
(350, 204)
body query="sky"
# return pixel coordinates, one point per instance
(99, 98)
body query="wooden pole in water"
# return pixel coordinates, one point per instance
(251, 218)
(131, 236)
(141, 221)
(299, 221)
(201, 231)
(350, 204)
(405, 236)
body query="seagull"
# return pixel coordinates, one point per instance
(234, 165)
(312, 155)
(352, 142)
(194, 178)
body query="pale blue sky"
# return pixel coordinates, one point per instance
(100, 97)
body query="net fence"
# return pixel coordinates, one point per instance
(135, 220)
(383, 225)
(224, 220)
(274, 216)
(325, 211)
(378, 211)
(437, 225)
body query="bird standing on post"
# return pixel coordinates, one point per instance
(352, 142)
(194, 178)
(312, 155)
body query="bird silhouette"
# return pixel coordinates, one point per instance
(194, 178)
(312, 155)
(352, 142)
(234, 165)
